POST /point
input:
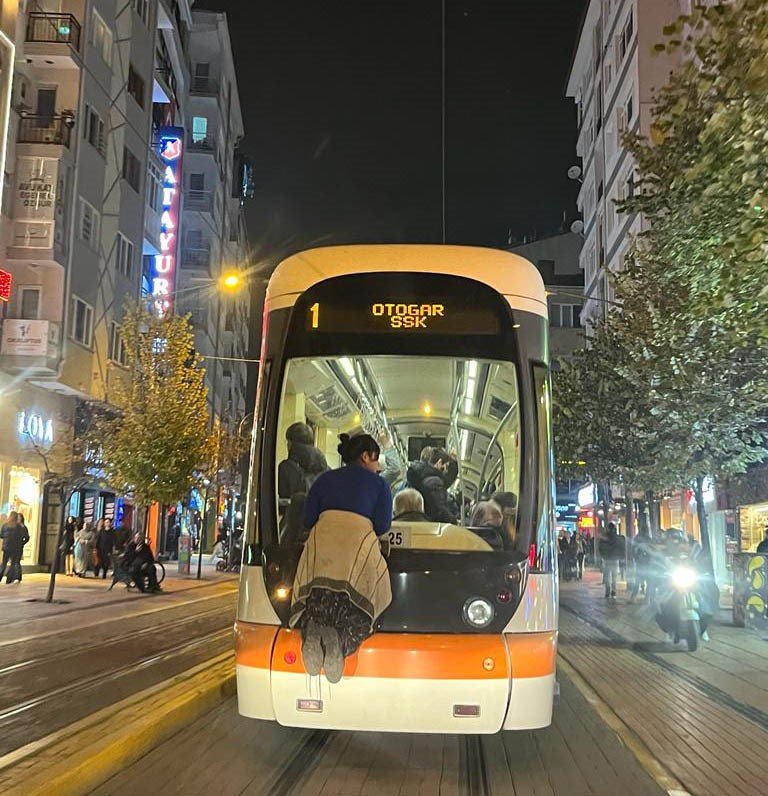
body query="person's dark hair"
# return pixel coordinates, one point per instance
(507, 500)
(301, 433)
(352, 448)
(439, 455)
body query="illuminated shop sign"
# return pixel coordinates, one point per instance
(39, 429)
(6, 280)
(163, 275)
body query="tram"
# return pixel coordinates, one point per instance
(427, 346)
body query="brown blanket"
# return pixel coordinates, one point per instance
(342, 554)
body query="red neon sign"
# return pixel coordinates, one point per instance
(6, 280)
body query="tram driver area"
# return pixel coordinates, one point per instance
(449, 432)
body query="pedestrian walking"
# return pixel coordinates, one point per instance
(84, 541)
(5, 529)
(67, 546)
(580, 553)
(14, 539)
(105, 545)
(641, 559)
(610, 553)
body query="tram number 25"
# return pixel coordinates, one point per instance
(399, 537)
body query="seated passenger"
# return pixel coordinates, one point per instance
(342, 584)
(488, 514)
(140, 563)
(431, 476)
(508, 503)
(297, 473)
(409, 506)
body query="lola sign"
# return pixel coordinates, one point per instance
(163, 274)
(35, 427)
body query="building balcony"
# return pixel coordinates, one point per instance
(204, 145)
(201, 201)
(55, 130)
(30, 346)
(53, 40)
(204, 86)
(196, 258)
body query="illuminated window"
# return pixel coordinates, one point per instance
(199, 128)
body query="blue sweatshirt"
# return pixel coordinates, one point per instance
(350, 488)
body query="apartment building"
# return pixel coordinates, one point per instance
(614, 75)
(216, 182)
(557, 259)
(97, 125)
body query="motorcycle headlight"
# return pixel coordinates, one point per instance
(478, 612)
(684, 578)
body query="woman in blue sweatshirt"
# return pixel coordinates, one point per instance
(342, 583)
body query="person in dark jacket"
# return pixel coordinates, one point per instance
(13, 543)
(432, 475)
(611, 552)
(105, 545)
(67, 546)
(139, 561)
(10, 523)
(297, 473)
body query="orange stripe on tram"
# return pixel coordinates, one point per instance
(532, 654)
(253, 644)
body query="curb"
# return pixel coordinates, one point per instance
(116, 736)
(650, 764)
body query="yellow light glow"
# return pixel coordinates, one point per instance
(231, 281)
(281, 593)
(427, 408)
(356, 419)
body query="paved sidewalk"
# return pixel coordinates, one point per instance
(23, 608)
(702, 715)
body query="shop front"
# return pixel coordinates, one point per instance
(34, 427)
(752, 521)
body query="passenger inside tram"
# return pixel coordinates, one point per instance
(469, 408)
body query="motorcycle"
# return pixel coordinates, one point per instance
(679, 610)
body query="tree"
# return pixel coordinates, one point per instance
(157, 440)
(702, 173)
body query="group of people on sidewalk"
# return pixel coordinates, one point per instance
(14, 535)
(102, 547)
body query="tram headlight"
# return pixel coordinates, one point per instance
(478, 612)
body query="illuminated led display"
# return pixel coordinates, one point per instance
(163, 275)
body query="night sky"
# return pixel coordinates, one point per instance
(342, 112)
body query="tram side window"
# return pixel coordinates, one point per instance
(545, 497)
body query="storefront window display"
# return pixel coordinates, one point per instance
(22, 492)
(752, 520)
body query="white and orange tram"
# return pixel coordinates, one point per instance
(440, 346)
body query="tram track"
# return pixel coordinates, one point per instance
(73, 651)
(473, 772)
(114, 674)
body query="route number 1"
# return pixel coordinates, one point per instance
(315, 310)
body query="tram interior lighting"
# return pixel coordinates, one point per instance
(281, 592)
(347, 366)
(464, 444)
(472, 369)
(427, 408)
(468, 403)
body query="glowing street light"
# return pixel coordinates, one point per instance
(231, 281)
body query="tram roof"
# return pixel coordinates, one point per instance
(512, 276)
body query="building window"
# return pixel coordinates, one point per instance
(155, 188)
(136, 85)
(629, 108)
(94, 130)
(101, 38)
(624, 39)
(29, 303)
(124, 253)
(90, 220)
(195, 239)
(141, 7)
(81, 322)
(131, 169)
(199, 128)
(565, 315)
(116, 345)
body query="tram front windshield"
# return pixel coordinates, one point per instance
(449, 429)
